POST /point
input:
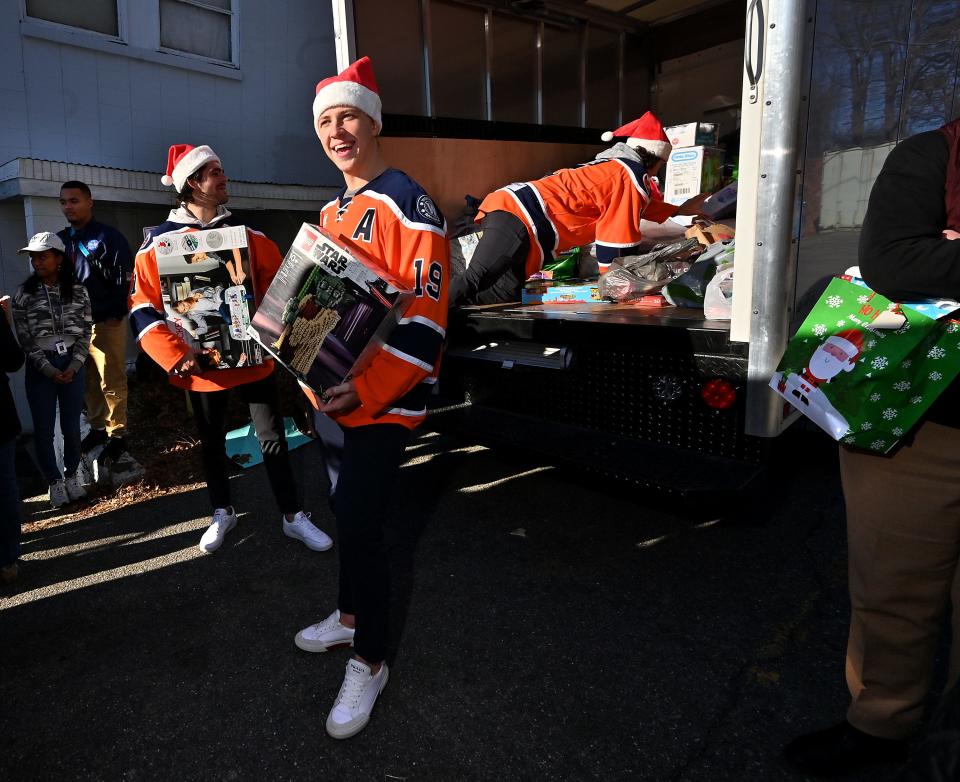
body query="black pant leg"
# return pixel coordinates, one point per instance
(496, 271)
(261, 397)
(209, 411)
(365, 486)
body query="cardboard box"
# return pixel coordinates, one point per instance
(585, 293)
(691, 171)
(723, 203)
(710, 234)
(208, 294)
(693, 134)
(327, 311)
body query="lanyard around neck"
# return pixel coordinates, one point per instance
(58, 330)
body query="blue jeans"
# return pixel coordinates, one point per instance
(9, 504)
(43, 395)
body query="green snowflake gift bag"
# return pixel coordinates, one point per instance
(864, 368)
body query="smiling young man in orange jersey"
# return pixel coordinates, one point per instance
(394, 221)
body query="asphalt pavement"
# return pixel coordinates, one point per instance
(548, 627)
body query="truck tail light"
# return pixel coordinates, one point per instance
(718, 393)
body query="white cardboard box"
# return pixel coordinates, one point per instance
(691, 171)
(693, 134)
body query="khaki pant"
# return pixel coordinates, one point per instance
(106, 391)
(903, 527)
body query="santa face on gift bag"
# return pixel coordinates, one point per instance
(838, 353)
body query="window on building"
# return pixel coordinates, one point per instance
(99, 16)
(200, 27)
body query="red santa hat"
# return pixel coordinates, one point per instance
(850, 341)
(354, 86)
(646, 132)
(183, 161)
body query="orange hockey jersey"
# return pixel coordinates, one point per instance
(395, 222)
(147, 318)
(600, 201)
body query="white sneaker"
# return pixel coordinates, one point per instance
(223, 522)
(358, 693)
(75, 490)
(58, 494)
(324, 635)
(301, 528)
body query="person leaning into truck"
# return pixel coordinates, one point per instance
(903, 529)
(527, 224)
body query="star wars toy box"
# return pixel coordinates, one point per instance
(208, 294)
(864, 368)
(327, 311)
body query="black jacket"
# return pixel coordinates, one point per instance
(104, 269)
(11, 359)
(902, 253)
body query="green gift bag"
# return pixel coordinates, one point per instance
(864, 368)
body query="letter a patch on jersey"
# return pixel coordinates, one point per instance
(364, 229)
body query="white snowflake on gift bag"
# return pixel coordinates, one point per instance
(906, 363)
(870, 344)
(880, 362)
(877, 445)
(819, 330)
(952, 328)
(862, 299)
(875, 397)
(902, 385)
(935, 376)
(905, 327)
(889, 414)
(834, 301)
(850, 440)
(897, 431)
(936, 352)
(866, 426)
(841, 324)
(916, 400)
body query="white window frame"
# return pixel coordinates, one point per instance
(139, 39)
(66, 29)
(233, 14)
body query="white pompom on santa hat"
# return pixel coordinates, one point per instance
(183, 161)
(354, 86)
(646, 132)
(850, 341)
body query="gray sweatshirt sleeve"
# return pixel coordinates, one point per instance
(25, 336)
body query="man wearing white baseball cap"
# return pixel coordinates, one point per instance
(201, 184)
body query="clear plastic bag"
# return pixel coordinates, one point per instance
(718, 299)
(634, 276)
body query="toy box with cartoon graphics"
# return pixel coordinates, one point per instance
(327, 311)
(208, 294)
